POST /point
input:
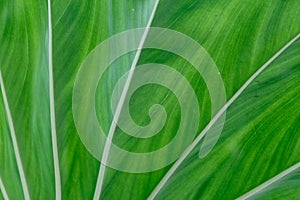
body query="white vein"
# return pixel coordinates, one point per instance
(269, 182)
(3, 191)
(52, 109)
(215, 118)
(14, 140)
(120, 105)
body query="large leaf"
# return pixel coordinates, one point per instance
(260, 139)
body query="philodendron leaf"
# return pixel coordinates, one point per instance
(252, 45)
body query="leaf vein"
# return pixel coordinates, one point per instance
(52, 109)
(269, 182)
(14, 140)
(3, 191)
(106, 150)
(215, 118)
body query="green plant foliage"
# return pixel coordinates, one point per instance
(261, 135)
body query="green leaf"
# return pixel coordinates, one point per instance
(258, 142)
(256, 47)
(282, 185)
(25, 79)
